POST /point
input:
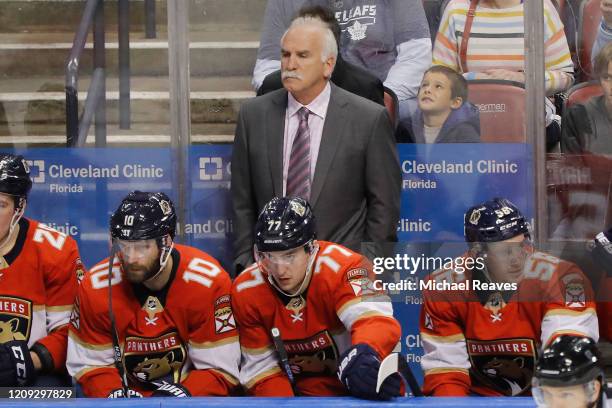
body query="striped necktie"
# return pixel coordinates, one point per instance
(298, 175)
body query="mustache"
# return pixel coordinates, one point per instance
(290, 74)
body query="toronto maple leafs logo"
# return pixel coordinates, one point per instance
(358, 31)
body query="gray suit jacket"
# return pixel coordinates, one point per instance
(355, 192)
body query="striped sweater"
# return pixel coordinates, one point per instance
(497, 41)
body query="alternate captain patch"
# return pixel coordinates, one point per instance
(224, 317)
(15, 318)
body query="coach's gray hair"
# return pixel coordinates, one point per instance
(330, 47)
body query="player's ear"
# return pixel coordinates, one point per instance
(169, 357)
(14, 323)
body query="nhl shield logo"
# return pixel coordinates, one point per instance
(15, 319)
(152, 306)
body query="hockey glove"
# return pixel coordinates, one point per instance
(118, 393)
(358, 371)
(167, 389)
(16, 366)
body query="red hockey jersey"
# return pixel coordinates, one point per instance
(604, 307)
(486, 342)
(38, 284)
(183, 333)
(338, 309)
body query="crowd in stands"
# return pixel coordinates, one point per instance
(390, 40)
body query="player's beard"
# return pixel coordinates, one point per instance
(139, 273)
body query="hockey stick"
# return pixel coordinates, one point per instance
(279, 345)
(396, 363)
(116, 347)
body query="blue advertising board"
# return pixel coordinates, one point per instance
(76, 190)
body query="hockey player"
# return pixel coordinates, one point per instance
(335, 328)
(39, 268)
(570, 374)
(484, 339)
(601, 252)
(172, 311)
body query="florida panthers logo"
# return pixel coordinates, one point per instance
(511, 371)
(15, 319)
(151, 369)
(316, 355)
(156, 359)
(9, 331)
(505, 365)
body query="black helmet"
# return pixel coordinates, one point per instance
(284, 223)
(143, 216)
(569, 360)
(14, 175)
(494, 220)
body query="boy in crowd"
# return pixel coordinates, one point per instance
(443, 115)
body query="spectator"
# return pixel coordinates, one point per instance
(347, 76)
(588, 127)
(388, 38)
(496, 44)
(604, 35)
(316, 141)
(443, 115)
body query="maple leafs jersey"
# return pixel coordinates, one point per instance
(38, 284)
(339, 308)
(184, 332)
(486, 342)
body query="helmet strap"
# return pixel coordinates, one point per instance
(314, 250)
(164, 256)
(19, 211)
